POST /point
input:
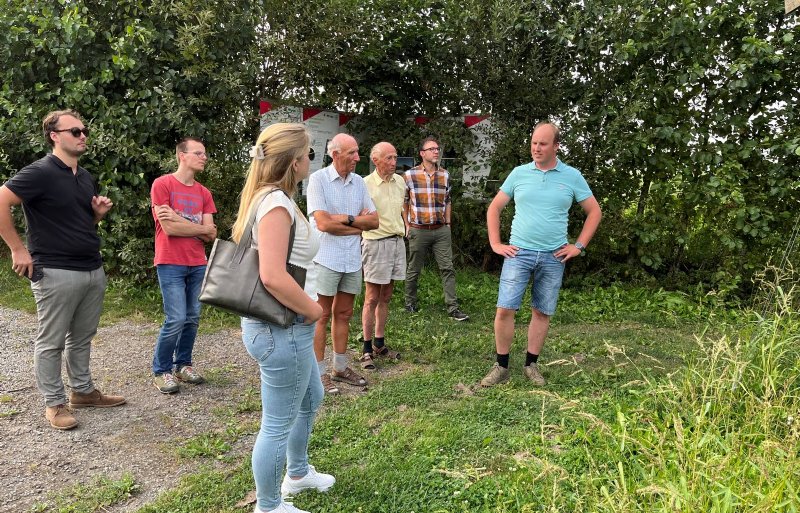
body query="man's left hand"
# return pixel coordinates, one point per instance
(566, 252)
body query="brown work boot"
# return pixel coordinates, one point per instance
(95, 398)
(60, 417)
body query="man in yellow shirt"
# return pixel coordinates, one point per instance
(383, 251)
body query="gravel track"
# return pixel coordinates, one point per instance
(138, 438)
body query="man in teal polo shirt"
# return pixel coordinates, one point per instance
(543, 192)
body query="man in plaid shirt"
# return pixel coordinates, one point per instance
(426, 214)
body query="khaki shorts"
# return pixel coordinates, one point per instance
(383, 260)
(329, 282)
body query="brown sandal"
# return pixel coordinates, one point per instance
(385, 352)
(366, 362)
(328, 385)
(348, 376)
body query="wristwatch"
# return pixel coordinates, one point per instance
(350, 220)
(581, 247)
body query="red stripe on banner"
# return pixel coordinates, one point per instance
(344, 118)
(264, 107)
(473, 120)
(421, 120)
(310, 113)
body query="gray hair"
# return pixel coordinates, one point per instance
(335, 144)
(376, 151)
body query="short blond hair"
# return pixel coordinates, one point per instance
(556, 130)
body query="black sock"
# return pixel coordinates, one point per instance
(378, 343)
(368, 346)
(502, 360)
(531, 358)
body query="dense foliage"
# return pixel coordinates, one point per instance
(143, 75)
(682, 116)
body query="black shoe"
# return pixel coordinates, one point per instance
(411, 308)
(458, 315)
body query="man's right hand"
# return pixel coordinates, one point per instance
(504, 250)
(21, 262)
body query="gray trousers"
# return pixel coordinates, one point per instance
(420, 243)
(68, 305)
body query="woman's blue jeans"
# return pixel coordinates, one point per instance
(291, 393)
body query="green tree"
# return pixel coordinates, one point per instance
(143, 74)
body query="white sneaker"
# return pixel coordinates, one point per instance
(322, 482)
(283, 507)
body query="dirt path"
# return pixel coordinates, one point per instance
(139, 438)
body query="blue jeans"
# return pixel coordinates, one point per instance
(547, 271)
(291, 393)
(180, 290)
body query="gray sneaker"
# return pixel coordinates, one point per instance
(533, 374)
(166, 384)
(496, 376)
(189, 375)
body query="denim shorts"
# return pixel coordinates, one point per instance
(547, 271)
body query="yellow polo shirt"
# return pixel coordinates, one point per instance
(388, 196)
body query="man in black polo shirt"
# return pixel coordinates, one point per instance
(63, 262)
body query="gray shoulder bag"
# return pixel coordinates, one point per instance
(232, 280)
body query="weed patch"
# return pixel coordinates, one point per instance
(89, 498)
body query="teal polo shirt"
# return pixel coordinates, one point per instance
(541, 204)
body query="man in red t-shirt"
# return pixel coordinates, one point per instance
(183, 212)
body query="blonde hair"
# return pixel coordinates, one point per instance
(282, 144)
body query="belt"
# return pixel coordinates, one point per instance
(384, 238)
(427, 226)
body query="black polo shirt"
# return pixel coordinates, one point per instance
(58, 212)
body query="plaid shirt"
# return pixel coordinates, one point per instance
(428, 195)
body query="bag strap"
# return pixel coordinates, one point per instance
(247, 236)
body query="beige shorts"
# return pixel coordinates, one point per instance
(383, 260)
(329, 282)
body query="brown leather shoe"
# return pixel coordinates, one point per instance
(60, 417)
(95, 398)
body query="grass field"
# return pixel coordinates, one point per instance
(656, 401)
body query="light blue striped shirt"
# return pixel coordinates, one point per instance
(329, 192)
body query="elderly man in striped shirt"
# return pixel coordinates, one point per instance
(426, 214)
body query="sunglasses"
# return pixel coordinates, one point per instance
(74, 131)
(311, 154)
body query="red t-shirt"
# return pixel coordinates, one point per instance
(191, 202)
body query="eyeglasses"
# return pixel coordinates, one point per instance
(311, 154)
(74, 131)
(434, 148)
(200, 154)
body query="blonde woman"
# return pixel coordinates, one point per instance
(291, 391)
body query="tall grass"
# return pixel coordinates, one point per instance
(721, 435)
